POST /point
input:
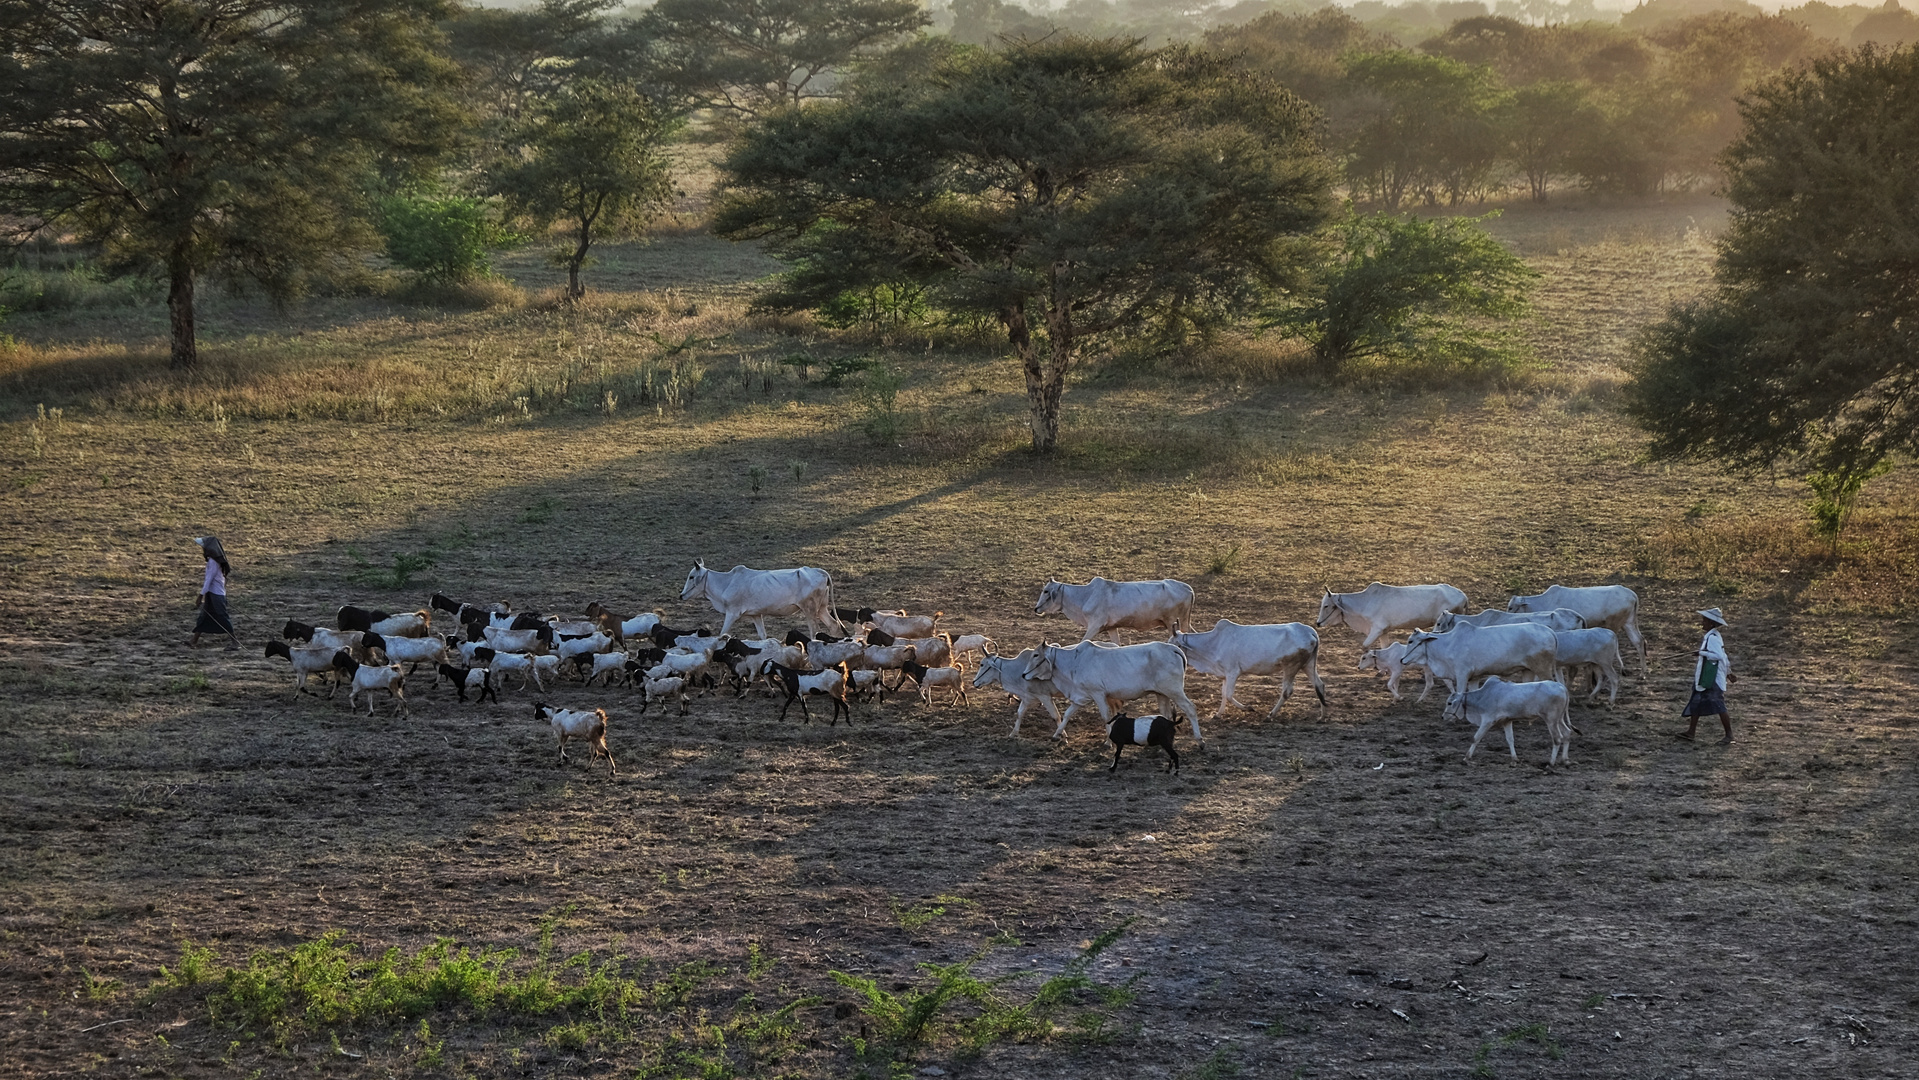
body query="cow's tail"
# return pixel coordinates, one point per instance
(832, 611)
(1312, 673)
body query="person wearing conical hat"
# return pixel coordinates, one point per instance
(212, 603)
(1709, 677)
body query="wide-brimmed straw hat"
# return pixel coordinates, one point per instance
(1713, 613)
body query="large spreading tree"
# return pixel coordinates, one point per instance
(1066, 188)
(238, 136)
(1807, 347)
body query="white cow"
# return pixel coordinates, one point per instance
(1500, 702)
(1378, 610)
(1101, 606)
(1005, 671)
(1391, 660)
(1614, 607)
(1596, 650)
(1232, 649)
(1109, 676)
(1559, 620)
(1459, 656)
(743, 592)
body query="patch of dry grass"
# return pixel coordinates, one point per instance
(1872, 571)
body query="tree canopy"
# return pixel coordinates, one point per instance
(752, 56)
(1808, 344)
(1066, 188)
(239, 136)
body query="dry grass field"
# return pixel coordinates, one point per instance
(1336, 895)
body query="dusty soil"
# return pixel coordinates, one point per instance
(1336, 895)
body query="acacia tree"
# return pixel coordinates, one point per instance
(1066, 188)
(591, 155)
(203, 135)
(752, 56)
(1807, 348)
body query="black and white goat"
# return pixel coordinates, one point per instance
(307, 660)
(366, 678)
(405, 624)
(1154, 730)
(464, 679)
(798, 684)
(319, 637)
(926, 678)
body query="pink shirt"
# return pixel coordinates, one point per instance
(216, 580)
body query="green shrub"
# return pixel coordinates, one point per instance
(876, 307)
(1405, 290)
(1835, 491)
(441, 238)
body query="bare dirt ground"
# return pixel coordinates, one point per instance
(1335, 895)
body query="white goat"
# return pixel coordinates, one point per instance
(578, 724)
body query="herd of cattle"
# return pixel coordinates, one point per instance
(1499, 667)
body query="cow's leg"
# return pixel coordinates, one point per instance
(726, 623)
(1024, 704)
(1510, 748)
(1226, 694)
(1192, 714)
(1319, 686)
(1638, 643)
(1071, 708)
(1421, 700)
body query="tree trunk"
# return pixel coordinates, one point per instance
(186, 352)
(574, 290)
(1019, 334)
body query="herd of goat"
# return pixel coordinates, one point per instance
(1542, 643)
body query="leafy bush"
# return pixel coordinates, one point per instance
(1407, 289)
(878, 398)
(1835, 491)
(441, 238)
(78, 287)
(876, 307)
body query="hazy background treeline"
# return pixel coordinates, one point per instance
(1461, 100)
(1425, 103)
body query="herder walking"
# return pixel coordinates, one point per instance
(213, 594)
(1709, 677)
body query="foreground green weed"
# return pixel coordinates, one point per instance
(324, 987)
(671, 1023)
(952, 1008)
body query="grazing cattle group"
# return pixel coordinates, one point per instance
(1499, 667)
